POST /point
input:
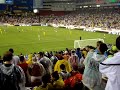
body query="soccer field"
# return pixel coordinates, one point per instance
(29, 39)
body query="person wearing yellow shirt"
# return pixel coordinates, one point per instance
(65, 62)
(29, 61)
(58, 82)
(46, 85)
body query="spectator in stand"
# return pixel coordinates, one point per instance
(62, 61)
(79, 54)
(92, 77)
(98, 44)
(111, 68)
(46, 83)
(58, 83)
(24, 66)
(46, 62)
(29, 61)
(73, 60)
(36, 71)
(74, 82)
(11, 76)
(64, 74)
(16, 59)
(54, 59)
(84, 52)
(66, 55)
(59, 55)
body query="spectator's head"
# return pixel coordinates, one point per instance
(34, 59)
(75, 68)
(102, 48)
(7, 56)
(22, 59)
(78, 49)
(62, 67)
(118, 43)
(46, 78)
(72, 52)
(87, 48)
(91, 48)
(55, 75)
(11, 50)
(98, 43)
(40, 55)
(65, 52)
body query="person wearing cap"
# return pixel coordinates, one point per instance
(111, 68)
(66, 55)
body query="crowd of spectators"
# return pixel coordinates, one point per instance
(102, 18)
(91, 18)
(77, 69)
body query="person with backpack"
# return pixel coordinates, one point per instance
(12, 77)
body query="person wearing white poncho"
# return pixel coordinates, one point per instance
(92, 77)
(111, 68)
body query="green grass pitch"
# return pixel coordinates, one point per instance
(29, 39)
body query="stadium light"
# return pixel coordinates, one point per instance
(35, 10)
(85, 6)
(97, 5)
(80, 6)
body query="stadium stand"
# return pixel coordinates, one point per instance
(85, 68)
(104, 20)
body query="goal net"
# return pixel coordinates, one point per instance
(86, 42)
